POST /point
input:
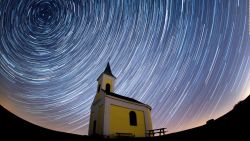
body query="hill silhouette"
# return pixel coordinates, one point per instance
(233, 125)
(13, 127)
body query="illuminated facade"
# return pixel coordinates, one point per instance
(116, 115)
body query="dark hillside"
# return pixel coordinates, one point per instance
(233, 125)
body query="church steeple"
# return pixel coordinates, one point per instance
(108, 71)
(106, 80)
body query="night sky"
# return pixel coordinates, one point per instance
(188, 59)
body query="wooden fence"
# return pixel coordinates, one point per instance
(156, 132)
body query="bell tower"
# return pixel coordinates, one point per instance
(106, 80)
(105, 86)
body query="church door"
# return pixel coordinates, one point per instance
(94, 127)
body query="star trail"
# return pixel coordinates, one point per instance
(188, 59)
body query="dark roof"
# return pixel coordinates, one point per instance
(122, 97)
(107, 71)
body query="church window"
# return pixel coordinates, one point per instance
(108, 88)
(99, 88)
(132, 117)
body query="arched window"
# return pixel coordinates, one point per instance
(108, 88)
(99, 88)
(132, 117)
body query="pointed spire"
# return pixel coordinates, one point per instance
(108, 70)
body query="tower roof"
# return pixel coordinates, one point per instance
(107, 71)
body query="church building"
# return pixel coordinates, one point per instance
(115, 115)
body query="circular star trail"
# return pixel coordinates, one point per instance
(188, 59)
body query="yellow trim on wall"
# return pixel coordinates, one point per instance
(149, 120)
(100, 120)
